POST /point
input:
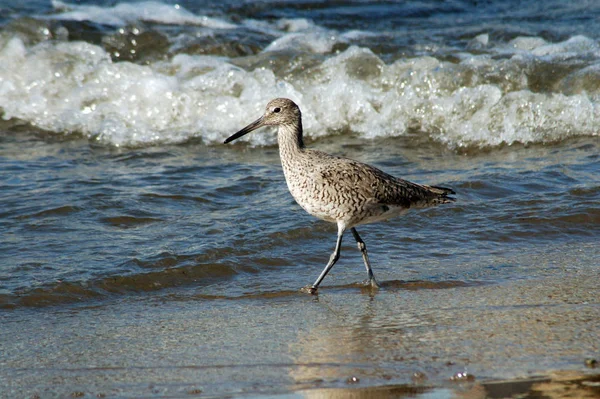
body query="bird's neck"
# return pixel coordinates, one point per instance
(289, 138)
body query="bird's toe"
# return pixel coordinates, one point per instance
(372, 283)
(309, 289)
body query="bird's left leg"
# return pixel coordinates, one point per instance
(363, 250)
(332, 259)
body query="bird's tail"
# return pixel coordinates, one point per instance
(442, 194)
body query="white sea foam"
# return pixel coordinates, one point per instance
(302, 35)
(314, 42)
(575, 46)
(68, 87)
(75, 87)
(124, 13)
(526, 43)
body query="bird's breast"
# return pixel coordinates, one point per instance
(323, 197)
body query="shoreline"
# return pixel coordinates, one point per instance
(346, 343)
(555, 385)
(563, 384)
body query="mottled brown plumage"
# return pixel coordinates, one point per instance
(336, 189)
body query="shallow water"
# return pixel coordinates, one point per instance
(139, 256)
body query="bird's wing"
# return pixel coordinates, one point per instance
(364, 182)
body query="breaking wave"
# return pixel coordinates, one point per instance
(527, 90)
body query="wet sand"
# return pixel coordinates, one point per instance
(410, 339)
(558, 385)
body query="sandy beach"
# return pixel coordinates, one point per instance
(410, 339)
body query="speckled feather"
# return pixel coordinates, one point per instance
(340, 189)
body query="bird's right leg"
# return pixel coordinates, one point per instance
(332, 259)
(363, 250)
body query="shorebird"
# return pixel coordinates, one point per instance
(339, 190)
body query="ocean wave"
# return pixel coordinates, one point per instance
(160, 273)
(526, 91)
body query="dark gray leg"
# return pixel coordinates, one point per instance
(363, 250)
(332, 259)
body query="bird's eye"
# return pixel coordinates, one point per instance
(276, 110)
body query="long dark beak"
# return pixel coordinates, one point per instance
(253, 126)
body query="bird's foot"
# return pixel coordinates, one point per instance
(309, 289)
(372, 283)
